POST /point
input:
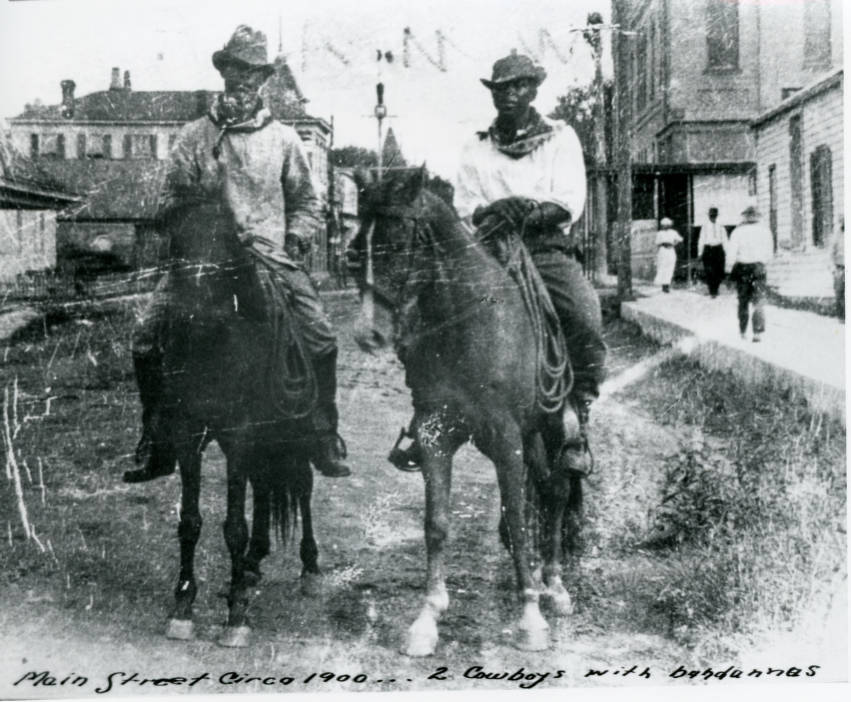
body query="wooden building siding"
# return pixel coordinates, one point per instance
(821, 125)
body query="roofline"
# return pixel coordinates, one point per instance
(88, 122)
(39, 192)
(817, 88)
(697, 168)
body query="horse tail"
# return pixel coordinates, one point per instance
(287, 482)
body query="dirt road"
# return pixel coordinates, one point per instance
(91, 610)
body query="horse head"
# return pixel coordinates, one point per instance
(400, 224)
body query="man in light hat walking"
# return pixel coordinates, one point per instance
(527, 172)
(749, 249)
(258, 169)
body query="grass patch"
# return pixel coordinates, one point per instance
(751, 522)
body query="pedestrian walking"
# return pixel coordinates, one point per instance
(837, 257)
(710, 249)
(667, 239)
(749, 249)
(257, 168)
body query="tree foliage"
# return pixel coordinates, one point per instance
(353, 157)
(576, 107)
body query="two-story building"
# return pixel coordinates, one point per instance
(701, 72)
(112, 144)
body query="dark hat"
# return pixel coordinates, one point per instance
(246, 46)
(512, 67)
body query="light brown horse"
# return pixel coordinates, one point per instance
(470, 361)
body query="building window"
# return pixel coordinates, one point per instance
(821, 184)
(33, 145)
(722, 34)
(171, 139)
(140, 146)
(772, 202)
(641, 72)
(81, 146)
(51, 145)
(99, 146)
(817, 34)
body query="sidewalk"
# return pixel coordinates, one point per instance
(800, 351)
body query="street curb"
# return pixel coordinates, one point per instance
(714, 354)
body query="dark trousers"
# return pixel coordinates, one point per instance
(578, 307)
(713, 266)
(750, 287)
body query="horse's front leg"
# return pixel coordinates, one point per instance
(439, 441)
(259, 545)
(501, 441)
(180, 624)
(237, 631)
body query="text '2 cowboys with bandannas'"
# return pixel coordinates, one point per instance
(521, 676)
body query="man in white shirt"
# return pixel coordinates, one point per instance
(749, 249)
(710, 247)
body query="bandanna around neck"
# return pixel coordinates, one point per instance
(258, 118)
(536, 132)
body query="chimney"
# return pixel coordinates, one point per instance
(115, 83)
(68, 98)
(127, 80)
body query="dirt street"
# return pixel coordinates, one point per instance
(90, 612)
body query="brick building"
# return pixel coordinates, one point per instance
(701, 72)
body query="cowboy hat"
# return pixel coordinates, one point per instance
(514, 67)
(245, 47)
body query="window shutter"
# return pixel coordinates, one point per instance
(128, 146)
(81, 146)
(34, 145)
(60, 145)
(153, 145)
(107, 145)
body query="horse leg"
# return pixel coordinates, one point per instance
(311, 576)
(502, 444)
(237, 631)
(258, 547)
(439, 445)
(554, 590)
(180, 624)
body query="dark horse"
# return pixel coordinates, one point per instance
(219, 365)
(470, 359)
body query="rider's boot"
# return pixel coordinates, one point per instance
(155, 454)
(406, 459)
(329, 451)
(576, 452)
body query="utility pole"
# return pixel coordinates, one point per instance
(380, 114)
(594, 39)
(623, 155)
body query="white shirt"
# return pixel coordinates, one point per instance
(711, 234)
(553, 172)
(750, 242)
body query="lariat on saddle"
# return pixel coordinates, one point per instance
(293, 381)
(554, 373)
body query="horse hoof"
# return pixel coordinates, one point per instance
(180, 629)
(532, 639)
(420, 641)
(235, 636)
(311, 584)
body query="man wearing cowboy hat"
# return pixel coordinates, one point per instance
(257, 167)
(749, 249)
(527, 172)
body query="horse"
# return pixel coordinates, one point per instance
(465, 337)
(220, 351)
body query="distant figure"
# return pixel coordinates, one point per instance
(710, 248)
(666, 255)
(749, 249)
(837, 256)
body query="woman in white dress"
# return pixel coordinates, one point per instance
(666, 254)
